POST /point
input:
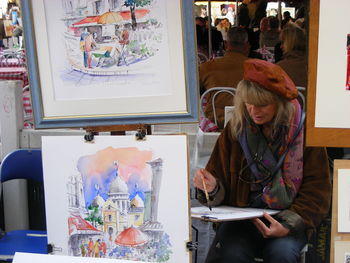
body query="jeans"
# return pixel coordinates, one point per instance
(241, 242)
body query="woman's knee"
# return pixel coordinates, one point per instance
(222, 252)
(283, 250)
(232, 243)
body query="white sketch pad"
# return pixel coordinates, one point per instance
(341, 251)
(228, 213)
(343, 200)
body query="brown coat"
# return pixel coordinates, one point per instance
(295, 64)
(312, 202)
(221, 72)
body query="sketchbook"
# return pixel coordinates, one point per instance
(228, 213)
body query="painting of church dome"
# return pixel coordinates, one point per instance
(137, 202)
(98, 201)
(118, 186)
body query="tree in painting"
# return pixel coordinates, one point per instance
(133, 4)
(94, 216)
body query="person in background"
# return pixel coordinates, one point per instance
(286, 19)
(260, 161)
(259, 14)
(17, 33)
(217, 41)
(300, 13)
(2, 34)
(225, 71)
(202, 45)
(243, 14)
(264, 24)
(294, 60)
(231, 14)
(223, 25)
(270, 37)
(300, 22)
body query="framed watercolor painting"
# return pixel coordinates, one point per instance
(328, 93)
(102, 63)
(118, 197)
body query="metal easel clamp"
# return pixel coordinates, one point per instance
(192, 246)
(141, 133)
(89, 136)
(51, 249)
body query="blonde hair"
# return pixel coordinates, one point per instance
(293, 38)
(252, 93)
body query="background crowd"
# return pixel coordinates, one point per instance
(253, 34)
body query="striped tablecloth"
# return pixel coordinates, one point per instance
(14, 73)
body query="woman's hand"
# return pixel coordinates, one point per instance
(204, 177)
(274, 230)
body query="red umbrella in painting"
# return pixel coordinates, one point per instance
(131, 237)
(110, 18)
(87, 21)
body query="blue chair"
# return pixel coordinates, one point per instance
(22, 164)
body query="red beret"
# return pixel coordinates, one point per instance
(271, 77)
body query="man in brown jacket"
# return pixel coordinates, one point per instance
(225, 71)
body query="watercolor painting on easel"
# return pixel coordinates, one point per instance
(116, 197)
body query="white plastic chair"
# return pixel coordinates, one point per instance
(217, 90)
(301, 96)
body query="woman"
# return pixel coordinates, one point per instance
(269, 32)
(260, 161)
(294, 60)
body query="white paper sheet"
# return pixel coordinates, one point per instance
(341, 251)
(332, 99)
(228, 213)
(343, 200)
(40, 258)
(117, 196)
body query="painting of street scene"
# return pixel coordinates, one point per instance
(113, 207)
(109, 49)
(106, 37)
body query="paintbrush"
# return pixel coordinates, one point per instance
(206, 192)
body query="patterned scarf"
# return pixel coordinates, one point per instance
(278, 165)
